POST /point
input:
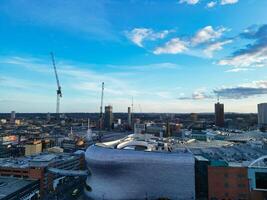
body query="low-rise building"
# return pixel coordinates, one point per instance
(16, 188)
(36, 167)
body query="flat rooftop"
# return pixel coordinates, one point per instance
(9, 185)
(233, 154)
(39, 160)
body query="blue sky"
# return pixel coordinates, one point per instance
(169, 55)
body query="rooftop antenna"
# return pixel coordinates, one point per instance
(218, 98)
(59, 93)
(132, 105)
(101, 107)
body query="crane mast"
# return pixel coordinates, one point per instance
(59, 93)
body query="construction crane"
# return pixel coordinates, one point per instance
(101, 107)
(59, 93)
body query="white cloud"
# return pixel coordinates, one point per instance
(138, 35)
(198, 94)
(207, 34)
(256, 58)
(147, 67)
(238, 70)
(191, 2)
(216, 47)
(211, 4)
(224, 2)
(174, 46)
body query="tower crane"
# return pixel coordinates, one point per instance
(59, 93)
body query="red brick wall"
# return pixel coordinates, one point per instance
(228, 183)
(36, 173)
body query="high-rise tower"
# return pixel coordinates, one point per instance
(129, 117)
(219, 114)
(262, 115)
(108, 119)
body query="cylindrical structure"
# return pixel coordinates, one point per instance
(129, 174)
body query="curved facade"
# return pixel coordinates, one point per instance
(129, 174)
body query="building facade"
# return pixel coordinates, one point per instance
(262, 115)
(108, 119)
(228, 182)
(219, 114)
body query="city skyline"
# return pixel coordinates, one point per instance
(170, 56)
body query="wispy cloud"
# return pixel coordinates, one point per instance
(199, 94)
(22, 84)
(139, 35)
(239, 70)
(254, 54)
(191, 2)
(147, 67)
(208, 38)
(254, 88)
(211, 4)
(216, 46)
(225, 2)
(173, 46)
(207, 34)
(80, 78)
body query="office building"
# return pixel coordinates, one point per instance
(129, 118)
(33, 147)
(37, 167)
(226, 181)
(257, 174)
(13, 116)
(262, 115)
(108, 120)
(201, 177)
(193, 117)
(219, 114)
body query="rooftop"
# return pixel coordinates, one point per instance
(40, 160)
(9, 185)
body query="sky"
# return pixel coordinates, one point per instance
(175, 56)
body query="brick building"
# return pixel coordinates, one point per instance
(228, 182)
(35, 167)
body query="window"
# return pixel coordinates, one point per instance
(226, 185)
(261, 180)
(88, 188)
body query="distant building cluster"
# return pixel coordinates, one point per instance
(212, 156)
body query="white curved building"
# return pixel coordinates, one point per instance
(139, 167)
